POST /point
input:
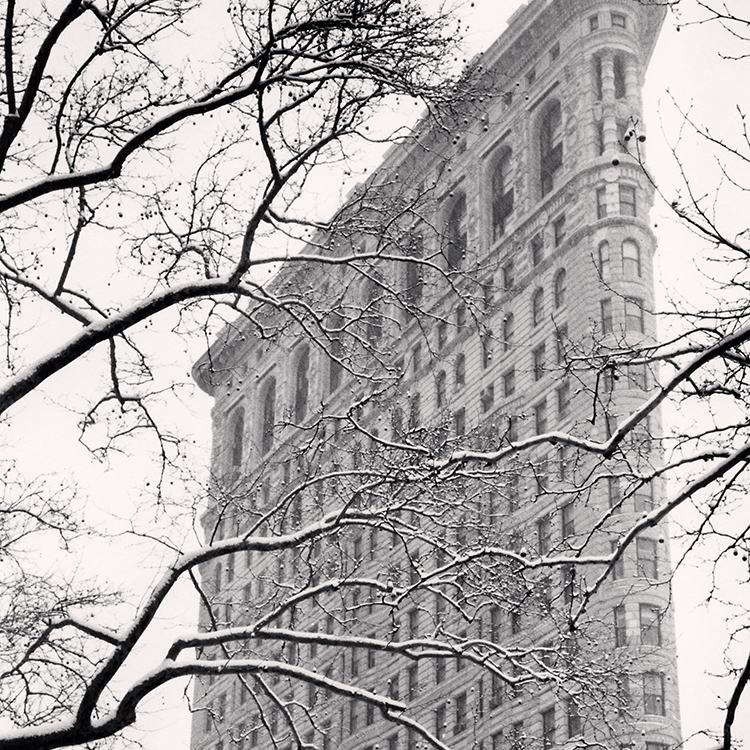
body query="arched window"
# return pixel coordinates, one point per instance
(460, 370)
(550, 147)
(237, 436)
(631, 259)
(268, 412)
(502, 194)
(301, 385)
(560, 287)
(508, 332)
(537, 307)
(456, 231)
(603, 260)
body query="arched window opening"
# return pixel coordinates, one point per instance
(237, 435)
(502, 194)
(631, 259)
(537, 307)
(268, 412)
(456, 230)
(550, 147)
(560, 287)
(301, 385)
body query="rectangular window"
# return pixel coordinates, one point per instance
(393, 742)
(537, 249)
(563, 400)
(574, 718)
(517, 736)
(495, 623)
(637, 376)
(459, 422)
(618, 570)
(593, 23)
(568, 583)
(509, 383)
(561, 342)
(439, 671)
(653, 693)
(646, 559)
(554, 52)
(644, 498)
(634, 314)
(558, 226)
(497, 691)
(440, 722)
(487, 397)
(627, 200)
(568, 521)
(619, 21)
(548, 729)
(650, 625)
(486, 350)
(460, 705)
(460, 318)
(544, 535)
(620, 626)
(539, 361)
(614, 495)
(508, 275)
(540, 417)
(412, 677)
(605, 307)
(442, 334)
(601, 203)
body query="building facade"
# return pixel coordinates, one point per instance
(480, 311)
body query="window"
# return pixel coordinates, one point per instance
(459, 372)
(627, 200)
(568, 583)
(619, 70)
(619, 21)
(537, 249)
(558, 229)
(540, 417)
(568, 521)
(531, 77)
(620, 626)
(460, 704)
(439, 670)
(487, 397)
(618, 570)
(563, 399)
(456, 230)
(601, 203)
(486, 341)
(440, 389)
(442, 334)
(544, 535)
(537, 307)
(509, 382)
(301, 385)
(574, 718)
(353, 717)
(413, 273)
(440, 720)
(644, 498)
(394, 688)
(613, 493)
(634, 314)
(237, 434)
(508, 275)
(393, 742)
(539, 360)
(605, 307)
(593, 23)
(412, 681)
(656, 746)
(548, 728)
(599, 85)
(373, 315)
(517, 736)
(488, 295)
(561, 341)
(502, 194)
(459, 423)
(653, 693)
(497, 691)
(508, 332)
(550, 147)
(414, 411)
(268, 415)
(631, 259)
(560, 287)
(495, 623)
(646, 558)
(460, 318)
(554, 52)
(650, 625)
(603, 261)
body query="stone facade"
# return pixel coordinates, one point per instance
(515, 308)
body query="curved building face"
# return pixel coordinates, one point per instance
(490, 284)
